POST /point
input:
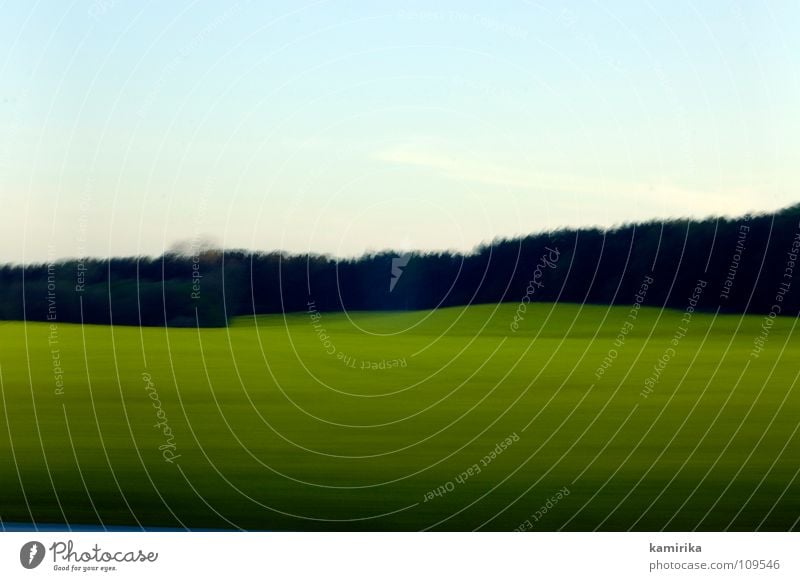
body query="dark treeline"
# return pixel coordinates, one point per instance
(747, 263)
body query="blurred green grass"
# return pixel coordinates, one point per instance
(277, 428)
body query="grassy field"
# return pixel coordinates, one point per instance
(426, 420)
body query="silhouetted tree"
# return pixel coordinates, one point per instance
(748, 256)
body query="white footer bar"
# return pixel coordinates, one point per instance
(399, 556)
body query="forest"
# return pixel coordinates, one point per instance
(746, 263)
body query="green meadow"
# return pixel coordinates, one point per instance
(583, 418)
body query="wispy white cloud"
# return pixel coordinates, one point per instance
(608, 197)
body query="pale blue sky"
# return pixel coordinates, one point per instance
(347, 126)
